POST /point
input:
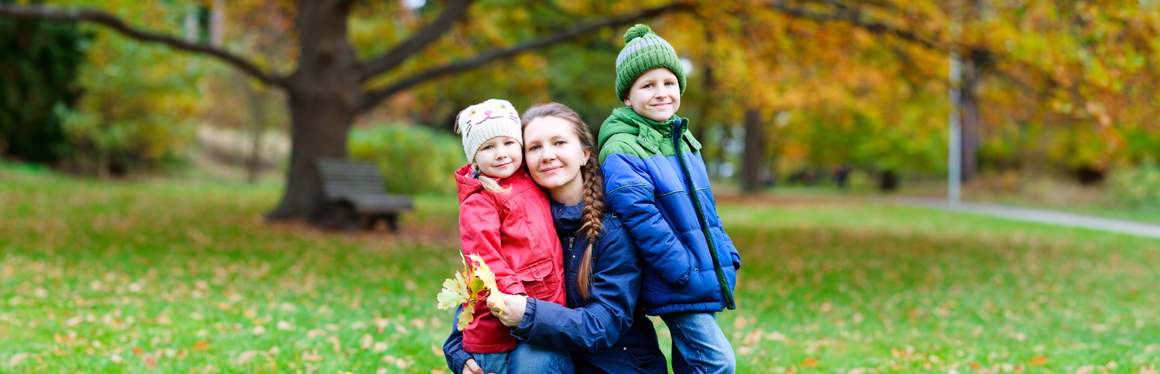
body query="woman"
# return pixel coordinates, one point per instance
(603, 326)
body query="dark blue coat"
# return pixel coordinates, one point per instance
(609, 332)
(656, 179)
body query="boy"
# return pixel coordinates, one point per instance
(655, 178)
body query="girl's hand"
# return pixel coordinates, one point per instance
(470, 367)
(513, 311)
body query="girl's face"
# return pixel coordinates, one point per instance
(499, 157)
(555, 154)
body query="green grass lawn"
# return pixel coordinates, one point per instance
(171, 276)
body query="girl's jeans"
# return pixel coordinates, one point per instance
(699, 346)
(526, 358)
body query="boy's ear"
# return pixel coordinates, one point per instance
(626, 103)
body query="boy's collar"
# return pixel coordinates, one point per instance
(665, 127)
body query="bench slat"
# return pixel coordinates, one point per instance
(361, 185)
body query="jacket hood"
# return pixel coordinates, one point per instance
(624, 120)
(467, 186)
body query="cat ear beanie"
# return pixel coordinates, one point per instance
(484, 121)
(644, 50)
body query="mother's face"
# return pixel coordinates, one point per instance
(554, 154)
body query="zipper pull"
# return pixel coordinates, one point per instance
(571, 240)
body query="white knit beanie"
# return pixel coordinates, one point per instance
(481, 122)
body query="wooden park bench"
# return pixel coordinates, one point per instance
(356, 189)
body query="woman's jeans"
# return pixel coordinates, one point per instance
(699, 346)
(525, 358)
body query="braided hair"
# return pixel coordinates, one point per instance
(592, 217)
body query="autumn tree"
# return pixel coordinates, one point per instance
(330, 84)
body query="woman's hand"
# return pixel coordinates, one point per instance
(513, 310)
(470, 367)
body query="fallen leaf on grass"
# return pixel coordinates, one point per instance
(311, 356)
(200, 346)
(1037, 360)
(752, 338)
(809, 363)
(150, 361)
(16, 359)
(246, 356)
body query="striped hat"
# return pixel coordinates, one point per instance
(644, 50)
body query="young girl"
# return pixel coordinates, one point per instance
(504, 218)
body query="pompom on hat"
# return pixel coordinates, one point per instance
(484, 121)
(644, 50)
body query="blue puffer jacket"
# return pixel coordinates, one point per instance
(608, 332)
(649, 170)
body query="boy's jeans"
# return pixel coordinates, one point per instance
(526, 358)
(699, 346)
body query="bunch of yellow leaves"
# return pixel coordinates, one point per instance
(467, 288)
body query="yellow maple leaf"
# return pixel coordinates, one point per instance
(465, 317)
(484, 273)
(454, 292)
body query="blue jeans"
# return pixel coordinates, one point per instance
(526, 358)
(699, 346)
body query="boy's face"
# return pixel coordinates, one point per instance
(656, 95)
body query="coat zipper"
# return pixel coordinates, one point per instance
(678, 134)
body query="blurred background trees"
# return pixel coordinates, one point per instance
(782, 92)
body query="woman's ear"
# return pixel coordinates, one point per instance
(587, 154)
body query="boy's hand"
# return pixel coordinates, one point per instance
(513, 310)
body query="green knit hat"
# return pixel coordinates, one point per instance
(644, 50)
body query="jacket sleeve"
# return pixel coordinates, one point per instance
(630, 192)
(453, 347)
(734, 254)
(479, 230)
(607, 315)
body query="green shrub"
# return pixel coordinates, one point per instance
(413, 159)
(1137, 186)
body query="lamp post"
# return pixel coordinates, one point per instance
(955, 149)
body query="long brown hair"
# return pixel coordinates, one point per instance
(592, 217)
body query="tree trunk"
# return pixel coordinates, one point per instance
(970, 101)
(323, 99)
(754, 152)
(970, 119)
(258, 128)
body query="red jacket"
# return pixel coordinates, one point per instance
(514, 234)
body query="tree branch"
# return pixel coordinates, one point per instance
(371, 98)
(853, 17)
(454, 11)
(106, 19)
